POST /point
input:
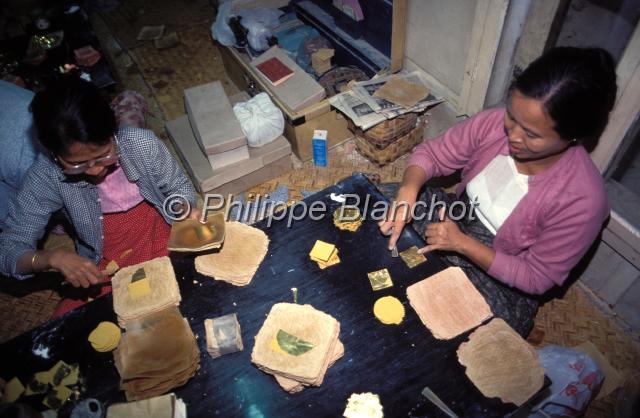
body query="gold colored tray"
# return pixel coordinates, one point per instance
(190, 235)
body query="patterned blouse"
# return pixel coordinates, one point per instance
(46, 189)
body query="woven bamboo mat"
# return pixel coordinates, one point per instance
(342, 160)
(20, 314)
(130, 16)
(576, 318)
(168, 72)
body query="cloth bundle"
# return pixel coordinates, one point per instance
(157, 353)
(238, 260)
(297, 344)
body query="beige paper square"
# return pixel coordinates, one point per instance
(402, 92)
(448, 303)
(501, 364)
(163, 285)
(306, 323)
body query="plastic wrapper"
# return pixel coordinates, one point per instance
(576, 379)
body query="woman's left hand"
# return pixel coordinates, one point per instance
(444, 235)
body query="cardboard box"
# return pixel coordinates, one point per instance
(264, 163)
(214, 123)
(226, 158)
(299, 125)
(321, 60)
(299, 91)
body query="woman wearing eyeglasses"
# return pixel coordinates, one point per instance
(111, 185)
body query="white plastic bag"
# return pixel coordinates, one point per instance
(261, 121)
(576, 379)
(220, 30)
(260, 23)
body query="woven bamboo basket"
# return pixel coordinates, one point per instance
(384, 133)
(395, 149)
(336, 78)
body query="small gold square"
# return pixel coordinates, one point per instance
(332, 261)
(139, 288)
(322, 251)
(412, 257)
(380, 279)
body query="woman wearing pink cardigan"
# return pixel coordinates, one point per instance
(538, 200)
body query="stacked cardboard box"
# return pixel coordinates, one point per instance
(213, 148)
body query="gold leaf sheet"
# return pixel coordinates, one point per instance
(448, 303)
(191, 235)
(380, 279)
(501, 364)
(412, 257)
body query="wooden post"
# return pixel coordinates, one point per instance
(398, 33)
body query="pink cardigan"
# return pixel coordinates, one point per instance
(555, 222)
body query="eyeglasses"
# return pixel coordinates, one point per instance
(105, 161)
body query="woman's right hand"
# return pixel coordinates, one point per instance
(77, 270)
(398, 216)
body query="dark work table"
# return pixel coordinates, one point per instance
(393, 361)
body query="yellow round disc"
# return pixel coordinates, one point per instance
(389, 310)
(105, 337)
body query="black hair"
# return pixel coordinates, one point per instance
(72, 110)
(577, 87)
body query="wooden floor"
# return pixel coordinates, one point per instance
(162, 75)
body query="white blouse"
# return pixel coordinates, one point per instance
(497, 189)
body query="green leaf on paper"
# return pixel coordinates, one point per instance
(138, 275)
(292, 344)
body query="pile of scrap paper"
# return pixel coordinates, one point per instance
(297, 344)
(158, 351)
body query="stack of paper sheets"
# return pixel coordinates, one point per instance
(157, 353)
(367, 108)
(223, 335)
(159, 290)
(166, 406)
(448, 303)
(297, 344)
(238, 260)
(325, 254)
